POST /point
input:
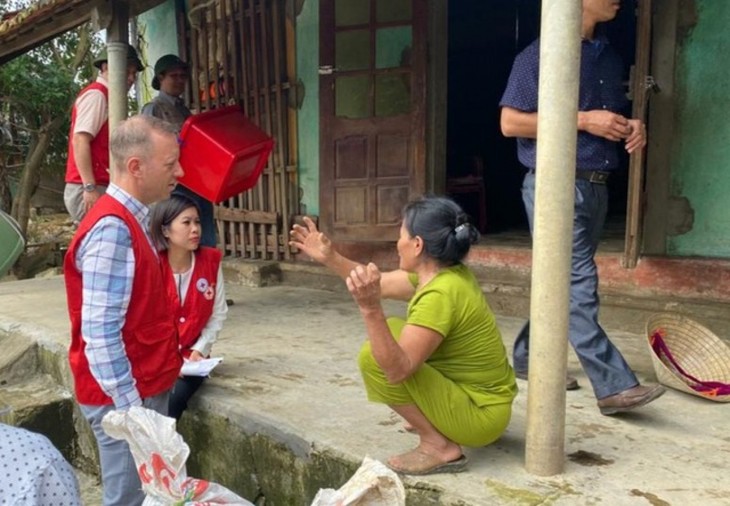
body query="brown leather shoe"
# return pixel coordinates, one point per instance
(570, 382)
(630, 399)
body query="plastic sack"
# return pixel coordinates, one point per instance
(373, 484)
(160, 454)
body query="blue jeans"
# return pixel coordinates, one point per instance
(603, 363)
(119, 477)
(207, 220)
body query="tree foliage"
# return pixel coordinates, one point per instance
(37, 90)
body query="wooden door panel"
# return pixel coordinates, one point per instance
(351, 154)
(372, 103)
(391, 199)
(354, 205)
(392, 155)
(350, 205)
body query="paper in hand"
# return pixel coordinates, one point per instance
(201, 367)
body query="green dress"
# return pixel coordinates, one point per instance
(466, 387)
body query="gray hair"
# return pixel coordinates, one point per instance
(132, 138)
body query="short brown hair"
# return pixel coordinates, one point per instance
(132, 137)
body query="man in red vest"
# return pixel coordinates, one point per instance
(87, 165)
(124, 346)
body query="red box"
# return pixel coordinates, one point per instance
(222, 153)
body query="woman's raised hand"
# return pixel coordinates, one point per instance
(311, 241)
(364, 285)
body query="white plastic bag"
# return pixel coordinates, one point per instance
(160, 454)
(373, 484)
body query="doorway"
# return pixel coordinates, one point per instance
(484, 38)
(372, 119)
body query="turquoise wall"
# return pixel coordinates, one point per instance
(307, 27)
(157, 35)
(701, 161)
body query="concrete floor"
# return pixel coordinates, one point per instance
(289, 370)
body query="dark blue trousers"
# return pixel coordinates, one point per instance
(603, 363)
(181, 393)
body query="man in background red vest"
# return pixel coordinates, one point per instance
(124, 346)
(87, 165)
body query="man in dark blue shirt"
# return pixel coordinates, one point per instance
(601, 127)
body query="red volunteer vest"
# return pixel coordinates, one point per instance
(149, 334)
(191, 317)
(99, 146)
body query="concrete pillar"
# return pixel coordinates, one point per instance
(117, 53)
(117, 47)
(553, 231)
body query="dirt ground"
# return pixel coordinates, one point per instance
(45, 228)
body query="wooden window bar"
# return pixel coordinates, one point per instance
(243, 51)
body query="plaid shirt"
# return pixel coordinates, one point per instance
(106, 261)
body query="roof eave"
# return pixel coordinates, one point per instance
(43, 21)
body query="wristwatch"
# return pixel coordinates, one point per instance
(89, 187)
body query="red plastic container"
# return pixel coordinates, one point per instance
(222, 153)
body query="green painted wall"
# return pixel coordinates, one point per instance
(701, 161)
(157, 33)
(307, 24)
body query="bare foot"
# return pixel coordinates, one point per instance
(409, 428)
(442, 454)
(420, 461)
(446, 452)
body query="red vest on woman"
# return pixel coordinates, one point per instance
(191, 317)
(149, 333)
(99, 146)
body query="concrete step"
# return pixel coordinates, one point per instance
(507, 288)
(252, 273)
(31, 398)
(508, 293)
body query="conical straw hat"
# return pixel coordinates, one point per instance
(695, 351)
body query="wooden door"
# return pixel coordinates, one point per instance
(642, 86)
(372, 114)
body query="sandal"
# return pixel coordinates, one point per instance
(418, 463)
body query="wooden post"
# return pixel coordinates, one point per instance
(557, 132)
(639, 95)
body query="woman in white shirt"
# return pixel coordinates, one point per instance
(194, 286)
